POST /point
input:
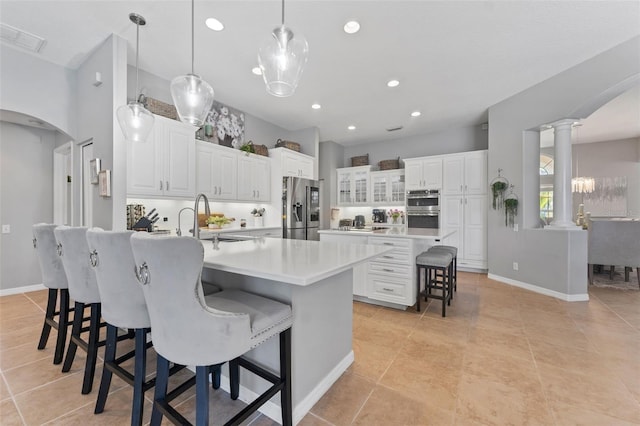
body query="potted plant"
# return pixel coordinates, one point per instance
(257, 216)
(217, 221)
(510, 211)
(498, 188)
(248, 148)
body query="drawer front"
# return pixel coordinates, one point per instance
(394, 256)
(391, 242)
(400, 271)
(383, 288)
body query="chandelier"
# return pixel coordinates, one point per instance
(583, 185)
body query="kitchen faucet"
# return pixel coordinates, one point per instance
(196, 228)
(179, 230)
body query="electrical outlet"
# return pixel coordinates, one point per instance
(515, 266)
(6, 229)
(165, 219)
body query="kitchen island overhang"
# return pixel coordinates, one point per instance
(316, 279)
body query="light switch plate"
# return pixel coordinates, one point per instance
(6, 229)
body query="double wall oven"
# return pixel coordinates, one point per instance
(423, 208)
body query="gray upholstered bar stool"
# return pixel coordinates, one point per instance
(454, 253)
(83, 289)
(437, 268)
(193, 330)
(123, 306)
(55, 279)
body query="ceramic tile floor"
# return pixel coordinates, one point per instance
(502, 356)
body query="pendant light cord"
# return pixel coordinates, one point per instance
(137, 53)
(283, 13)
(192, 36)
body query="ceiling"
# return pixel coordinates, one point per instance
(454, 59)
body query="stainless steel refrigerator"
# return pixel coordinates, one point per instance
(300, 208)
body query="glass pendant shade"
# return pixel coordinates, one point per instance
(192, 97)
(281, 58)
(135, 121)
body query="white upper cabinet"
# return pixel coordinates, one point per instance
(387, 187)
(465, 173)
(254, 177)
(423, 173)
(164, 165)
(353, 185)
(217, 171)
(293, 163)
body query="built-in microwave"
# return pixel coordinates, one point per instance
(423, 209)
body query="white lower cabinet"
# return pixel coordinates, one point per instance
(390, 275)
(467, 216)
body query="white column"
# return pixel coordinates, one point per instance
(562, 201)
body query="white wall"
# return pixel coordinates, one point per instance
(579, 90)
(610, 159)
(97, 121)
(330, 158)
(450, 141)
(38, 88)
(26, 198)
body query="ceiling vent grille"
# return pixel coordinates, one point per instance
(393, 129)
(20, 38)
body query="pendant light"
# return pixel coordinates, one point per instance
(281, 58)
(192, 95)
(135, 120)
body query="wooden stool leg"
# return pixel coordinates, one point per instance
(162, 381)
(109, 356)
(92, 349)
(63, 326)
(215, 376)
(46, 326)
(234, 378)
(202, 396)
(76, 329)
(139, 376)
(418, 270)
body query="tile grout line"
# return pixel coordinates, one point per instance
(13, 400)
(355, 416)
(542, 388)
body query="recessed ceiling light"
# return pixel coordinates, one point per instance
(214, 24)
(256, 70)
(352, 127)
(316, 106)
(352, 27)
(393, 83)
(416, 114)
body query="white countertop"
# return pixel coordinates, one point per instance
(209, 232)
(401, 232)
(295, 262)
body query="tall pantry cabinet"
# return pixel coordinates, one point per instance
(464, 206)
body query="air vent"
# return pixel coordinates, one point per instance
(20, 38)
(393, 129)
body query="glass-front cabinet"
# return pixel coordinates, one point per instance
(387, 187)
(353, 185)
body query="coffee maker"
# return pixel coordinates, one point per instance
(379, 216)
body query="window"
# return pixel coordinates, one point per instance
(546, 206)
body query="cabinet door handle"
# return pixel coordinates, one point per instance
(167, 185)
(460, 200)
(215, 190)
(387, 289)
(388, 270)
(219, 190)
(258, 191)
(387, 257)
(388, 244)
(160, 185)
(465, 188)
(465, 201)
(254, 193)
(460, 188)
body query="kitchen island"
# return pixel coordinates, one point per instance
(388, 280)
(315, 278)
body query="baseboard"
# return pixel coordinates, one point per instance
(25, 289)
(272, 410)
(541, 290)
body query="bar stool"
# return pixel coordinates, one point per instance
(83, 288)
(454, 253)
(437, 267)
(193, 330)
(55, 279)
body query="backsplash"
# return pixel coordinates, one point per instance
(169, 209)
(352, 212)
